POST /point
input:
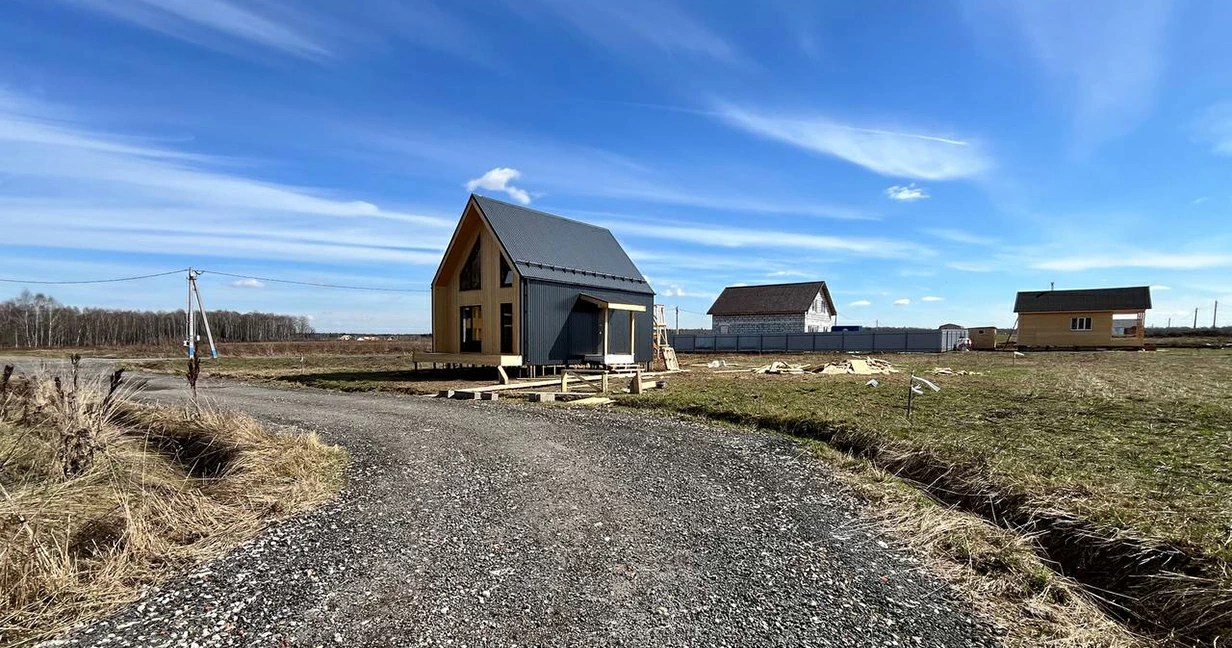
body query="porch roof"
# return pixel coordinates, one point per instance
(611, 305)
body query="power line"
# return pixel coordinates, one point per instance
(93, 281)
(314, 284)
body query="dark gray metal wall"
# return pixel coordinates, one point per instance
(918, 341)
(556, 329)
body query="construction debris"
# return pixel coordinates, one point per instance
(946, 371)
(777, 367)
(715, 364)
(872, 382)
(593, 400)
(858, 367)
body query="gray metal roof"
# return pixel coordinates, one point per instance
(1095, 299)
(770, 299)
(551, 248)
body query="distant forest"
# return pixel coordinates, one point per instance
(38, 320)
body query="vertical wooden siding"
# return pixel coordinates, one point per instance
(447, 299)
(1054, 330)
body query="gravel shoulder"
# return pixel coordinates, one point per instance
(495, 524)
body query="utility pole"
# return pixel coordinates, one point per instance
(1169, 327)
(194, 291)
(191, 341)
(1195, 319)
(677, 319)
(1215, 314)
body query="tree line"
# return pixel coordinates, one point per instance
(38, 320)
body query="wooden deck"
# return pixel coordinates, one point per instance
(472, 359)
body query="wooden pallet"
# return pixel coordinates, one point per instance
(669, 359)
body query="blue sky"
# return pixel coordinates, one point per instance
(926, 159)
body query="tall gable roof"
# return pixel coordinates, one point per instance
(770, 299)
(551, 248)
(1095, 299)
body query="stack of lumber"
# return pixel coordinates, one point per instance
(777, 367)
(946, 371)
(857, 367)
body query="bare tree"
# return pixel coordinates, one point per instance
(38, 320)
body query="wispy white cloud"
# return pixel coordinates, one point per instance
(247, 283)
(861, 302)
(1161, 287)
(734, 237)
(565, 169)
(788, 273)
(907, 193)
(676, 290)
(884, 151)
(1157, 260)
(933, 298)
(634, 25)
(191, 19)
(311, 31)
(499, 179)
(902, 302)
(960, 236)
(111, 192)
(1214, 127)
(970, 266)
(1104, 57)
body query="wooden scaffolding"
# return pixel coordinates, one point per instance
(663, 351)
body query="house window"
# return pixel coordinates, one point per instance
(472, 329)
(1079, 323)
(469, 278)
(506, 273)
(506, 326)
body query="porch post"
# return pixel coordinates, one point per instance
(605, 318)
(632, 329)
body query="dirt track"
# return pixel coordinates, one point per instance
(494, 524)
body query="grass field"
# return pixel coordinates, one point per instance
(1138, 445)
(343, 372)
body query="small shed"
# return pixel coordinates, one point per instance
(521, 287)
(983, 338)
(1083, 319)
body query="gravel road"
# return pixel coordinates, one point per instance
(494, 524)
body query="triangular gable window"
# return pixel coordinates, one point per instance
(506, 273)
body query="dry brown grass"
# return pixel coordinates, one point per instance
(164, 488)
(996, 570)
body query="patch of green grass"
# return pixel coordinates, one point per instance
(1135, 441)
(349, 373)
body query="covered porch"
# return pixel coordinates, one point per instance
(606, 354)
(1129, 327)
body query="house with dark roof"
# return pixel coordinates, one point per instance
(804, 307)
(519, 287)
(1083, 319)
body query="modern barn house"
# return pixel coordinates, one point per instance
(522, 288)
(1083, 319)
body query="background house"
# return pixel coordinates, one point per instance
(1093, 318)
(519, 287)
(804, 307)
